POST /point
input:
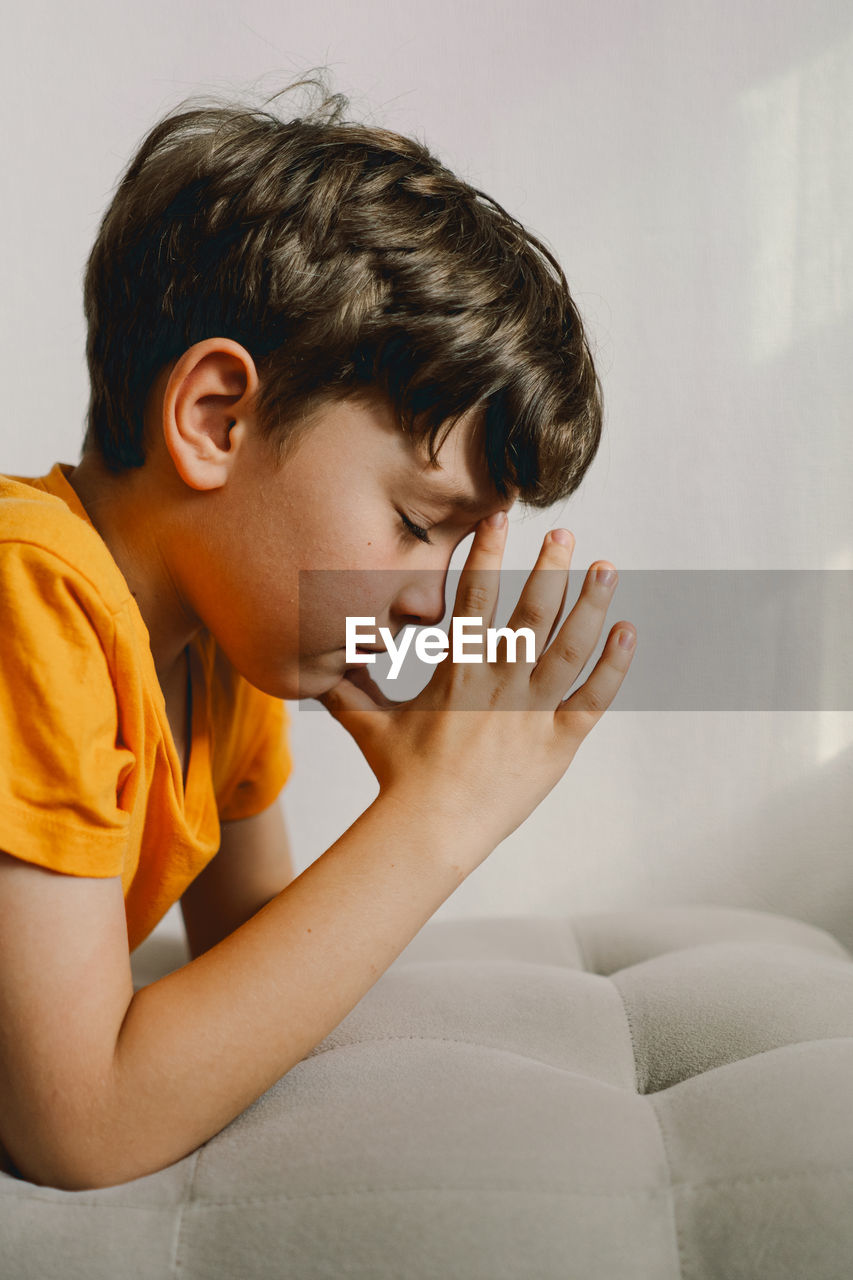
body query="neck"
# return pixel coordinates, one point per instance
(128, 512)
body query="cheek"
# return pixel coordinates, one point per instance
(328, 597)
(332, 544)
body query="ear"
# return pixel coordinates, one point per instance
(207, 410)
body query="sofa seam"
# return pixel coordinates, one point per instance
(633, 1039)
(676, 1225)
(788, 1045)
(162, 1207)
(677, 1235)
(581, 950)
(817, 1171)
(471, 1044)
(177, 1264)
(634, 1193)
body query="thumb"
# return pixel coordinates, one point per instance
(347, 704)
(362, 679)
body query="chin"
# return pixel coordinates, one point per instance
(289, 683)
(312, 683)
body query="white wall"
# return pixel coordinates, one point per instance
(692, 167)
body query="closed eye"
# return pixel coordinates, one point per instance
(415, 530)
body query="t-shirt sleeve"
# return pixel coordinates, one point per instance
(63, 765)
(255, 760)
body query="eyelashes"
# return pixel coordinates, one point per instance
(415, 530)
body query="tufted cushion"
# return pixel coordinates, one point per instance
(644, 1095)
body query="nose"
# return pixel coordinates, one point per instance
(420, 600)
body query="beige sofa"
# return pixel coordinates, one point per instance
(643, 1095)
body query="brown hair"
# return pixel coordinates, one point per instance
(345, 259)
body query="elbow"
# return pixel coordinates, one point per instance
(68, 1149)
(65, 1168)
(63, 1164)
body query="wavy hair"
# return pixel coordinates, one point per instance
(347, 260)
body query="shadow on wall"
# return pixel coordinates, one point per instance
(797, 853)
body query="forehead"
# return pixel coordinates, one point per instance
(460, 474)
(364, 432)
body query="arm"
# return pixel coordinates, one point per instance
(99, 1085)
(253, 864)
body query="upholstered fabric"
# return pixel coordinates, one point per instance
(637, 1096)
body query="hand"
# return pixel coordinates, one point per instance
(488, 741)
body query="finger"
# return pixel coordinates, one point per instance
(558, 616)
(478, 586)
(361, 678)
(577, 714)
(541, 601)
(565, 658)
(350, 706)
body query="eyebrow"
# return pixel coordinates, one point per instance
(459, 498)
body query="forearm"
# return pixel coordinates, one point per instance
(198, 1046)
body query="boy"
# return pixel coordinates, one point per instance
(310, 347)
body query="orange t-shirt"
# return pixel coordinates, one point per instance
(90, 781)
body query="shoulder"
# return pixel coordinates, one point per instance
(43, 544)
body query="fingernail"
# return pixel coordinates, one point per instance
(605, 577)
(626, 639)
(496, 520)
(562, 536)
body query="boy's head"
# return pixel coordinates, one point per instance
(344, 259)
(325, 332)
